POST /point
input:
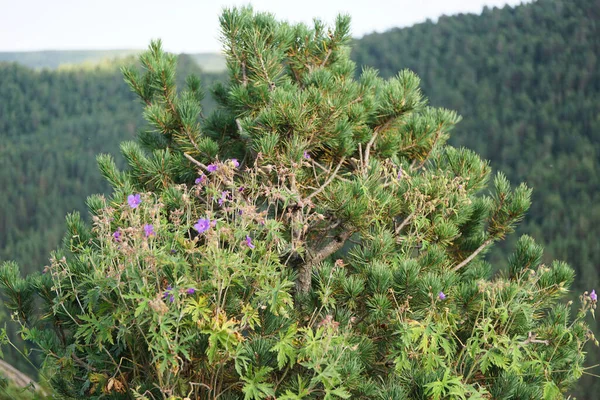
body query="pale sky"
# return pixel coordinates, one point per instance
(192, 26)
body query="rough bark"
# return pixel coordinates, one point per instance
(303, 284)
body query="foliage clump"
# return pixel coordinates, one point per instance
(314, 238)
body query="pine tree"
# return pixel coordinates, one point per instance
(314, 238)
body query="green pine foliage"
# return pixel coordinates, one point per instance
(526, 80)
(314, 238)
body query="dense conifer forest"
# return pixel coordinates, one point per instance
(526, 81)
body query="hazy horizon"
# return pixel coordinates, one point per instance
(70, 25)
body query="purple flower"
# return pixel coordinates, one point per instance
(224, 196)
(442, 296)
(149, 230)
(169, 294)
(117, 235)
(234, 162)
(202, 225)
(200, 179)
(249, 242)
(400, 173)
(191, 291)
(134, 200)
(306, 155)
(241, 189)
(212, 167)
(173, 251)
(593, 295)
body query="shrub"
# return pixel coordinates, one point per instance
(314, 238)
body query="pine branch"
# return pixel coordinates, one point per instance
(193, 160)
(472, 256)
(531, 338)
(404, 223)
(326, 58)
(328, 181)
(244, 75)
(303, 283)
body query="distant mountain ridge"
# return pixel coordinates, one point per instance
(52, 59)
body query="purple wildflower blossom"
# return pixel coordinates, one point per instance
(224, 196)
(149, 230)
(306, 155)
(400, 173)
(442, 296)
(201, 179)
(117, 235)
(234, 162)
(593, 295)
(212, 167)
(202, 225)
(249, 242)
(169, 294)
(134, 200)
(191, 291)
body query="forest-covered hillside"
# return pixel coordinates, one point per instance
(53, 124)
(526, 81)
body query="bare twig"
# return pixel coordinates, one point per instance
(198, 163)
(368, 149)
(531, 338)
(244, 75)
(404, 223)
(304, 275)
(326, 58)
(472, 256)
(328, 181)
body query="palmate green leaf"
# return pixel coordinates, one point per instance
(285, 349)
(338, 392)
(448, 386)
(97, 329)
(493, 357)
(140, 308)
(303, 391)
(255, 387)
(551, 391)
(327, 375)
(199, 309)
